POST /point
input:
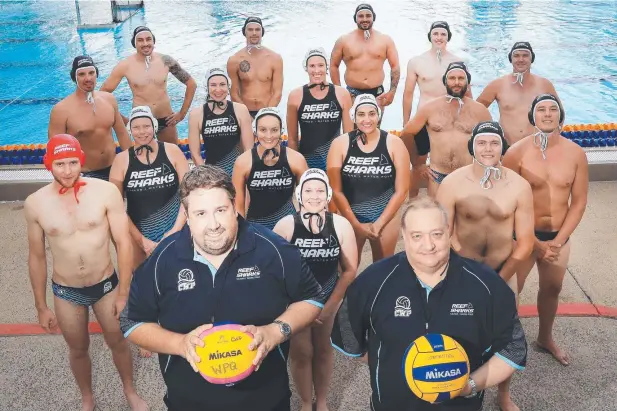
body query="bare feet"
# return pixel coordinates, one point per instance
(552, 348)
(87, 404)
(135, 401)
(145, 353)
(505, 402)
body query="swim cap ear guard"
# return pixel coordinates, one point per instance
(440, 25)
(522, 45)
(268, 111)
(363, 99)
(141, 29)
(319, 51)
(456, 65)
(487, 127)
(63, 146)
(82, 62)
(364, 7)
(250, 20)
(543, 97)
(143, 111)
(313, 174)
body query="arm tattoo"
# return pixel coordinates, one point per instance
(175, 69)
(395, 76)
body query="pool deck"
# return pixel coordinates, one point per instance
(35, 366)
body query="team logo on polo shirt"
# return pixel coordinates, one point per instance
(402, 308)
(186, 281)
(462, 309)
(250, 273)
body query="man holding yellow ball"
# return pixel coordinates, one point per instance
(437, 329)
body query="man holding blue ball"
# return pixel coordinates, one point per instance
(429, 289)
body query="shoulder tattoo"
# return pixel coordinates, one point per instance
(175, 69)
(245, 66)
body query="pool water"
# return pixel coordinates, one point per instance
(575, 44)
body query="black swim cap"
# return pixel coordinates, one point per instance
(440, 25)
(544, 97)
(250, 20)
(457, 65)
(488, 127)
(364, 6)
(522, 45)
(80, 62)
(141, 29)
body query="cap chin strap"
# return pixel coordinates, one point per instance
(322, 85)
(273, 150)
(148, 150)
(220, 104)
(89, 98)
(460, 102)
(320, 221)
(367, 35)
(148, 62)
(518, 78)
(485, 181)
(360, 135)
(540, 138)
(76, 186)
(439, 53)
(250, 47)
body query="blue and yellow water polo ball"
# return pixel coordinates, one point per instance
(436, 368)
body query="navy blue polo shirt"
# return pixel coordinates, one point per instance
(386, 308)
(180, 290)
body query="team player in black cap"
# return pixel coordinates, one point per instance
(90, 116)
(558, 172)
(486, 203)
(146, 72)
(426, 71)
(449, 120)
(255, 70)
(328, 244)
(364, 52)
(319, 108)
(428, 288)
(514, 92)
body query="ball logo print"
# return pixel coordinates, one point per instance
(186, 281)
(225, 358)
(435, 368)
(402, 307)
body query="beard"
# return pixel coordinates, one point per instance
(370, 26)
(62, 184)
(222, 244)
(459, 94)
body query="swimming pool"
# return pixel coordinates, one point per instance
(575, 43)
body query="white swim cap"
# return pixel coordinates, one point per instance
(361, 100)
(143, 111)
(313, 174)
(272, 111)
(217, 71)
(319, 51)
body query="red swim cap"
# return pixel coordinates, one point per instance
(63, 146)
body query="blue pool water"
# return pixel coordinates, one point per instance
(575, 43)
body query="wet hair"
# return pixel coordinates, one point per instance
(206, 176)
(422, 203)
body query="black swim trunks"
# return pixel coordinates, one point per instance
(86, 296)
(355, 92)
(162, 122)
(102, 174)
(423, 143)
(545, 236)
(253, 113)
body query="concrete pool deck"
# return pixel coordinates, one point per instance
(35, 373)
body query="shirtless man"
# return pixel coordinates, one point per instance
(146, 72)
(515, 92)
(256, 71)
(558, 172)
(449, 120)
(78, 216)
(486, 203)
(364, 52)
(89, 116)
(427, 70)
